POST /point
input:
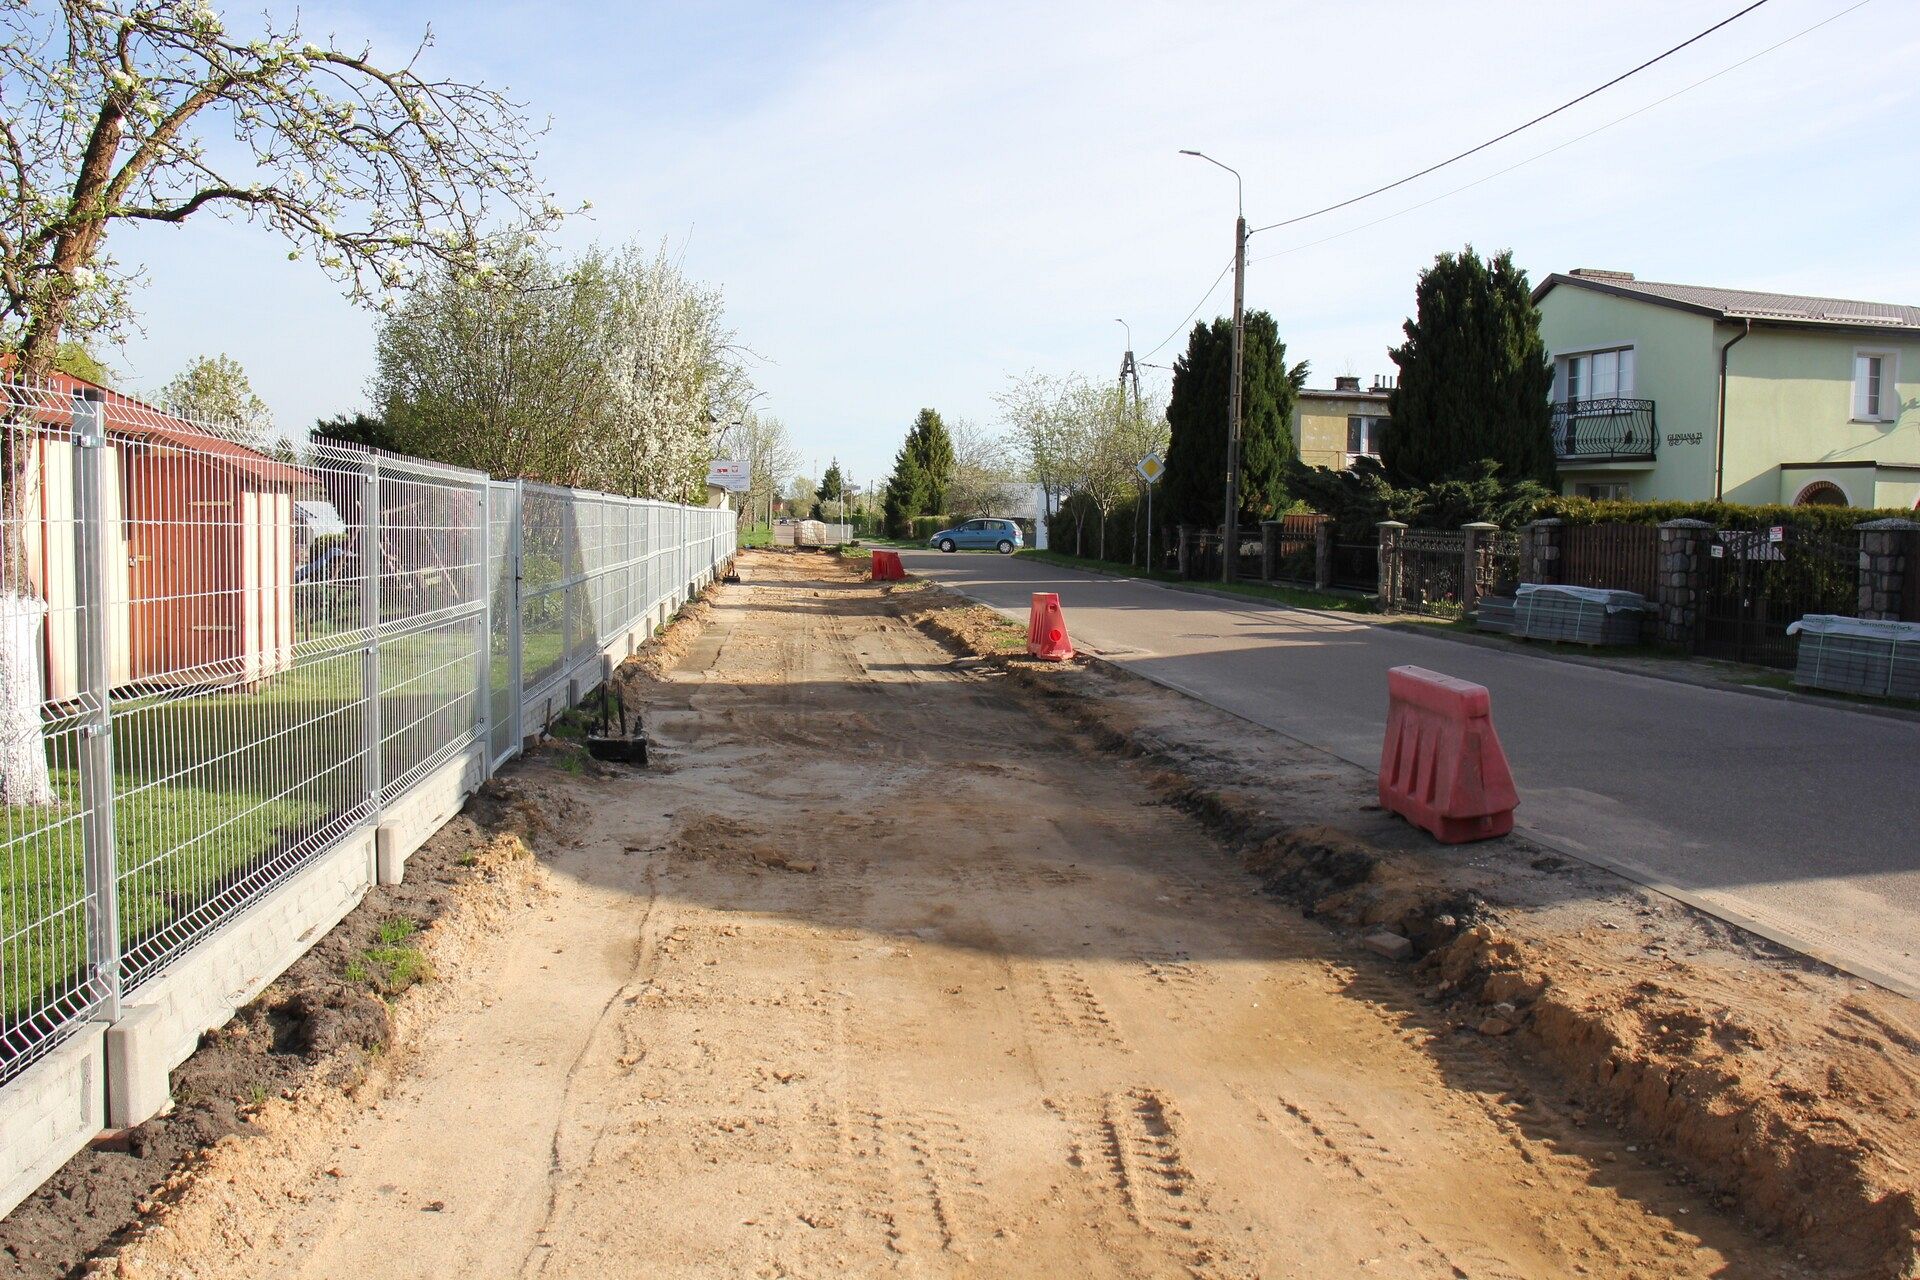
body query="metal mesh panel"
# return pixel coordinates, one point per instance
(218, 662)
(49, 976)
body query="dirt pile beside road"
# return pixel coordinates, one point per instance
(1776, 1083)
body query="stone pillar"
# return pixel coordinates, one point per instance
(1889, 552)
(1183, 550)
(1390, 531)
(1685, 546)
(1540, 546)
(1269, 549)
(1475, 539)
(1323, 553)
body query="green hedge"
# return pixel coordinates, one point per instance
(925, 527)
(1721, 515)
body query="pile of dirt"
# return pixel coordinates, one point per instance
(324, 1023)
(668, 645)
(1781, 1086)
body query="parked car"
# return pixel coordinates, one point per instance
(979, 535)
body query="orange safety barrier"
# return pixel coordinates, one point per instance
(1441, 766)
(1047, 629)
(885, 566)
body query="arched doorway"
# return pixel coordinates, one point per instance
(1821, 493)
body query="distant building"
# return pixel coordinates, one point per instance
(1332, 428)
(1682, 392)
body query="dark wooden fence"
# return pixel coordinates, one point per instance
(1622, 557)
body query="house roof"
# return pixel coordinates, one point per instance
(134, 419)
(1743, 304)
(1364, 393)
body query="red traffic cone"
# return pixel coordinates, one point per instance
(1047, 629)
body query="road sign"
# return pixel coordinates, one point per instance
(1150, 468)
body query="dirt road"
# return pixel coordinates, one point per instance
(877, 972)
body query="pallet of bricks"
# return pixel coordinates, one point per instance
(1578, 615)
(1858, 655)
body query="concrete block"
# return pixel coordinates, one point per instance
(389, 859)
(1390, 945)
(50, 1111)
(137, 1066)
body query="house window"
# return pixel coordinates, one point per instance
(1612, 491)
(1597, 375)
(1363, 434)
(1874, 396)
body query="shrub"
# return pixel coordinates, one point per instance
(1829, 521)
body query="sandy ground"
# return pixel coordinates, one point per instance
(875, 971)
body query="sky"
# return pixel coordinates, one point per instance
(905, 204)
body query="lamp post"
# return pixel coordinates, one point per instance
(1230, 544)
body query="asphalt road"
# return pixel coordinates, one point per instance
(1798, 820)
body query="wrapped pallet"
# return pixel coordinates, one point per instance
(1578, 615)
(1858, 655)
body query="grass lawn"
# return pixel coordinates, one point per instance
(1300, 597)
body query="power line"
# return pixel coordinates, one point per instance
(1181, 327)
(1548, 115)
(1541, 155)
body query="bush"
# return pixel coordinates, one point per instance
(924, 527)
(1829, 521)
(1123, 533)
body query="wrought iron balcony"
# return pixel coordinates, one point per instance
(1615, 429)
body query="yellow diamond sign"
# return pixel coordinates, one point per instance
(1150, 468)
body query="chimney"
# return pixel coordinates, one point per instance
(1597, 273)
(1347, 382)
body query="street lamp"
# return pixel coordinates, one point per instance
(1230, 544)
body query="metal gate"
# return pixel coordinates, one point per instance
(1760, 581)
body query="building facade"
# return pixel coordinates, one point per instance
(1332, 428)
(1682, 392)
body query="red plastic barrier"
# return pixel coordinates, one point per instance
(1047, 629)
(1441, 766)
(885, 566)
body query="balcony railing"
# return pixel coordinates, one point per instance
(1615, 429)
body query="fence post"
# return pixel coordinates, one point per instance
(1389, 563)
(1471, 547)
(1682, 583)
(1269, 548)
(1323, 553)
(1889, 552)
(370, 613)
(92, 494)
(516, 637)
(486, 627)
(1183, 551)
(1540, 550)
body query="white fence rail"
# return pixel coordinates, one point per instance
(221, 668)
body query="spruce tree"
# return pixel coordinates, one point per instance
(933, 454)
(1474, 378)
(1194, 486)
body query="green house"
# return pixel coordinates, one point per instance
(1673, 391)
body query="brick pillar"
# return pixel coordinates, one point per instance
(1889, 551)
(1684, 550)
(1269, 549)
(1323, 553)
(1390, 531)
(1474, 541)
(1541, 544)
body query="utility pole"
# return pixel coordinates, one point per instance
(1230, 543)
(1230, 551)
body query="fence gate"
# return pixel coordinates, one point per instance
(1760, 581)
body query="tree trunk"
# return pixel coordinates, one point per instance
(24, 779)
(1079, 524)
(1103, 535)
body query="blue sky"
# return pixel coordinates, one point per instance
(907, 203)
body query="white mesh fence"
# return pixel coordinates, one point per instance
(219, 663)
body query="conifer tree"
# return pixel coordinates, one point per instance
(1474, 377)
(1195, 483)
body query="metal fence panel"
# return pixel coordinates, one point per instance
(217, 663)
